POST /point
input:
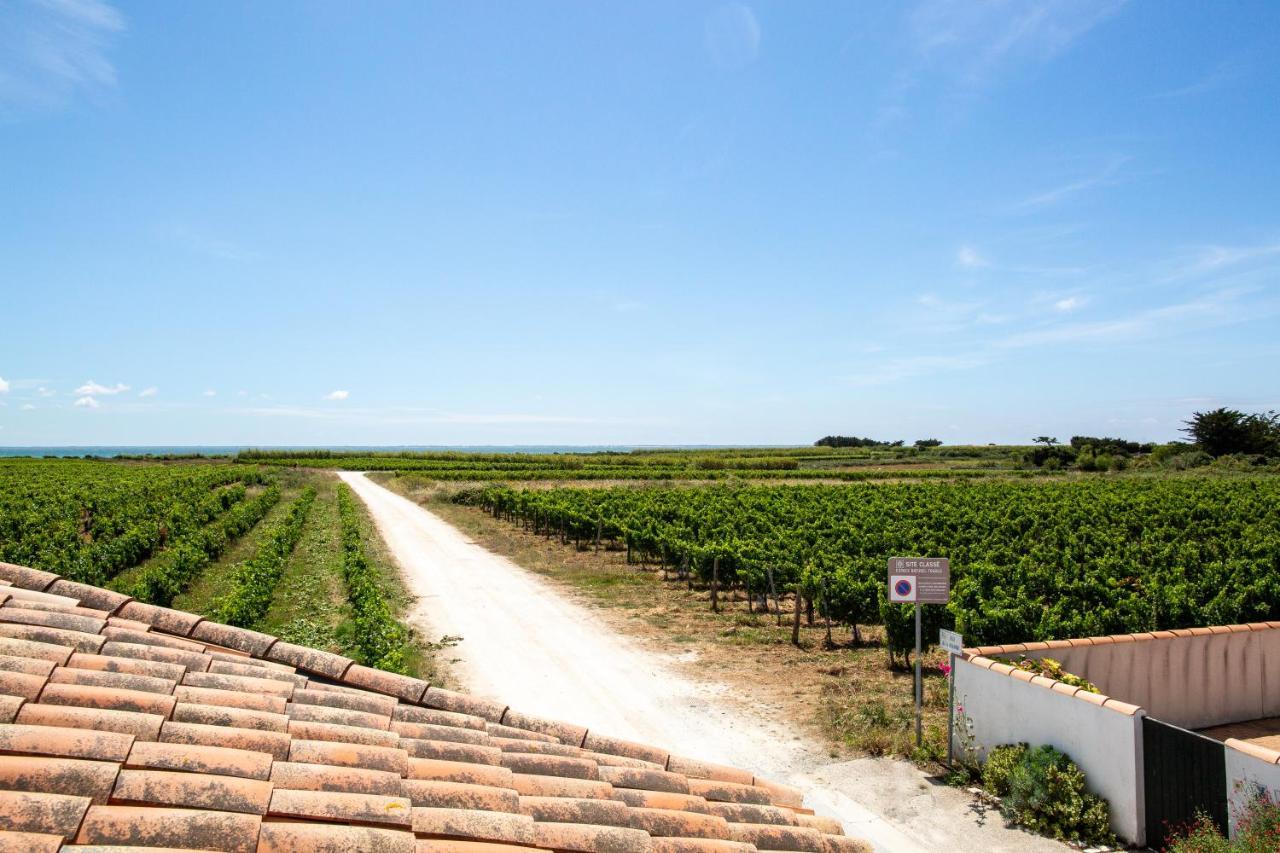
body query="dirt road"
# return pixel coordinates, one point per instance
(529, 645)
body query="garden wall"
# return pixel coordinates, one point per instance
(1250, 769)
(1102, 735)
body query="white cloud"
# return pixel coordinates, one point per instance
(209, 393)
(1069, 304)
(45, 392)
(4, 386)
(1106, 176)
(149, 392)
(52, 49)
(91, 388)
(969, 258)
(337, 395)
(27, 407)
(87, 403)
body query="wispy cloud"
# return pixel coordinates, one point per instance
(968, 257)
(209, 393)
(1106, 176)
(92, 388)
(52, 49)
(87, 403)
(337, 395)
(203, 243)
(908, 367)
(45, 392)
(1216, 78)
(4, 386)
(149, 392)
(27, 407)
(1069, 304)
(732, 36)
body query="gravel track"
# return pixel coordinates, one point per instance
(527, 644)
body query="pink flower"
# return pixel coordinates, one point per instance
(946, 669)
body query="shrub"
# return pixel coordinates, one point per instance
(1257, 830)
(1043, 791)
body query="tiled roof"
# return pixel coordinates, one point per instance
(124, 725)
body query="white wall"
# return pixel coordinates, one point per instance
(1106, 744)
(1243, 769)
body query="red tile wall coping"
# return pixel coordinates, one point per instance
(1262, 753)
(986, 657)
(124, 723)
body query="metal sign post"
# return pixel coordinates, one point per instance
(953, 644)
(919, 580)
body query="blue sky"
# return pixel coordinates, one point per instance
(663, 222)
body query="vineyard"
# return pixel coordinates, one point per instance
(162, 532)
(1030, 561)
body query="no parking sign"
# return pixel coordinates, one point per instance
(919, 580)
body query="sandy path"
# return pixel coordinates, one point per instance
(528, 645)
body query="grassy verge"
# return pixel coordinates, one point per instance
(847, 695)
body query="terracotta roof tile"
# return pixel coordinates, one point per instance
(663, 800)
(553, 765)
(55, 814)
(141, 651)
(531, 785)
(129, 666)
(825, 825)
(77, 640)
(9, 706)
(106, 678)
(165, 619)
(669, 823)
(241, 639)
(309, 660)
(144, 826)
(337, 716)
(21, 684)
(73, 776)
(369, 703)
(191, 790)
(30, 649)
(577, 836)
(400, 686)
(216, 715)
(71, 742)
(576, 810)
(415, 714)
(27, 578)
(276, 744)
(461, 703)
(306, 730)
(459, 795)
(141, 726)
(564, 732)
(57, 602)
(341, 806)
(349, 755)
(748, 813)
(459, 771)
(296, 837)
(477, 825)
(329, 750)
(706, 770)
(107, 698)
(90, 596)
(229, 699)
(195, 758)
(650, 780)
(796, 838)
(450, 751)
(430, 731)
(728, 792)
(844, 844)
(63, 619)
(327, 777)
(29, 842)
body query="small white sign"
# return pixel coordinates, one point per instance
(902, 588)
(950, 641)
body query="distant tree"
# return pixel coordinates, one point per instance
(925, 443)
(1047, 441)
(1114, 446)
(1223, 431)
(853, 441)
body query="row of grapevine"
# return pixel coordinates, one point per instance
(160, 581)
(1031, 561)
(91, 520)
(253, 582)
(380, 641)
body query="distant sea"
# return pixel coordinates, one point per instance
(214, 450)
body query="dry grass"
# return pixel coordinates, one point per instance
(847, 695)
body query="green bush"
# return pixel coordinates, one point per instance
(1043, 790)
(1257, 831)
